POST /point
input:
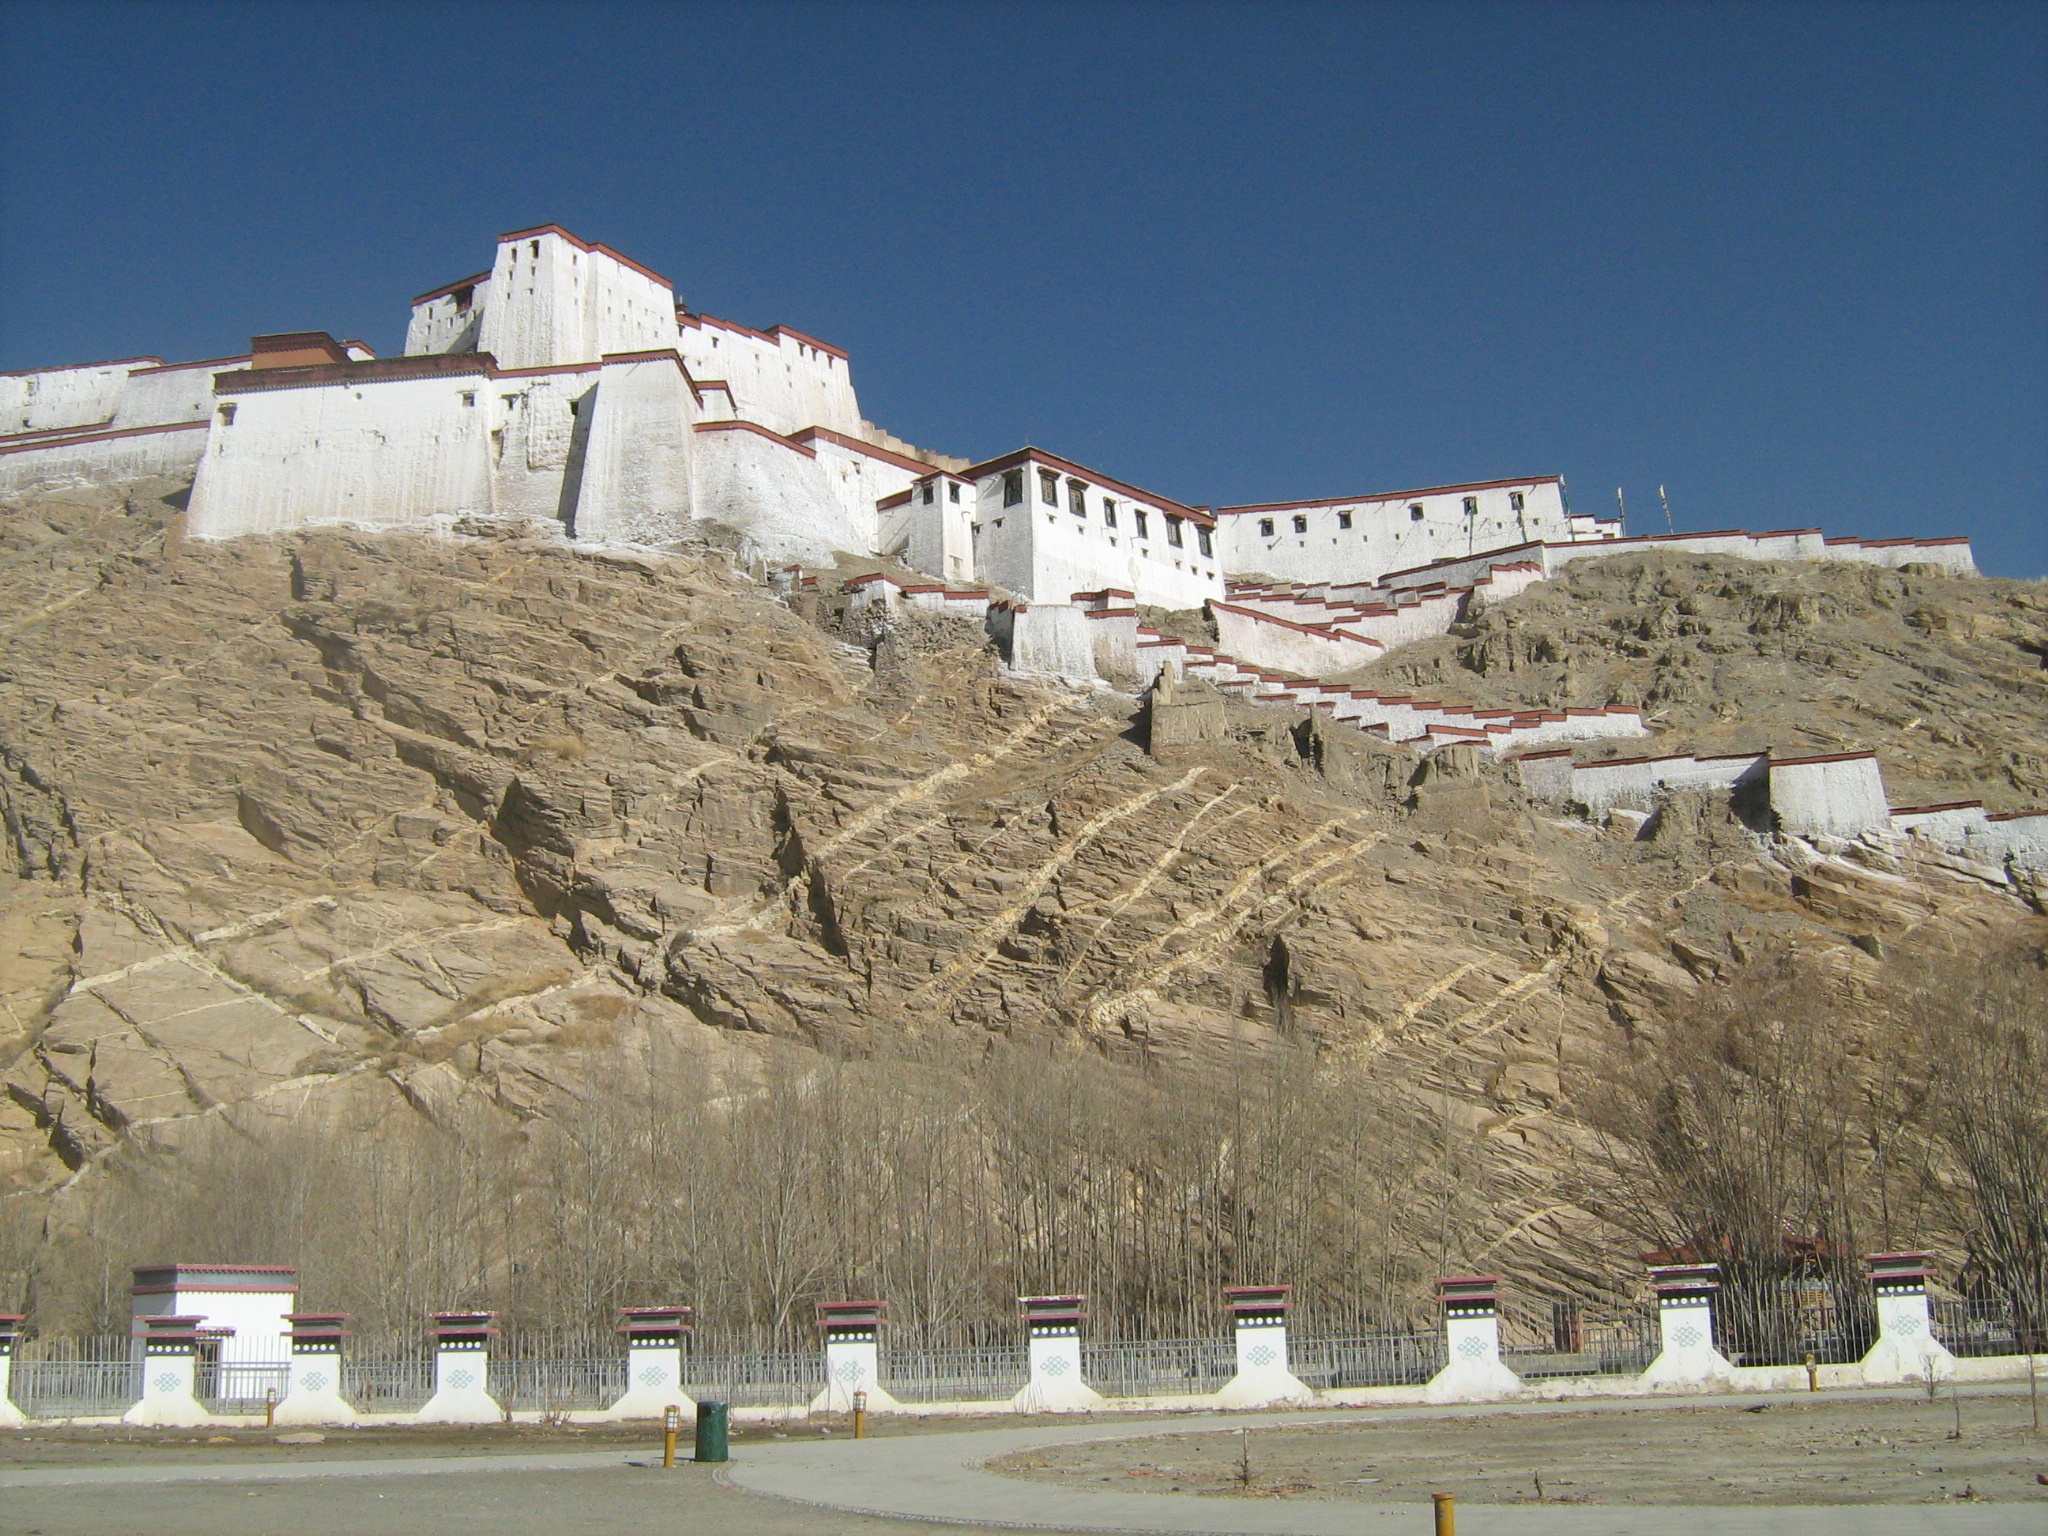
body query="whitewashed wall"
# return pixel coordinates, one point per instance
(49, 399)
(770, 492)
(551, 299)
(782, 380)
(1045, 553)
(1832, 796)
(1384, 536)
(155, 397)
(103, 458)
(389, 453)
(858, 475)
(534, 433)
(635, 480)
(1267, 641)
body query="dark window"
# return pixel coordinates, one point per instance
(1048, 487)
(1077, 498)
(227, 415)
(1471, 506)
(927, 493)
(1515, 501)
(463, 297)
(1144, 532)
(1300, 524)
(1415, 512)
(1265, 527)
(1108, 512)
(953, 491)
(1202, 540)
(1343, 519)
(1173, 530)
(1013, 487)
(469, 397)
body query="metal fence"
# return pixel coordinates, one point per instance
(103, 1377)
(75, 1378)
(955, 1375)
(1397, 1358)
(1972, 1326)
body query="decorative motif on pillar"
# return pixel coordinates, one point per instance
(1053, 1324)
(11, 1417)
(170, 1349)
(1258, 1314)
(1906, 1348)
(462, 1370)
(313, 1392)
(1685, 1324)
(1472, 1371)
(655, 1340)
(853, 1355)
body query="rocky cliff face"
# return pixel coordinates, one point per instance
(391, 825)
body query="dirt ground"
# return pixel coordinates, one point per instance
(1789, 1452)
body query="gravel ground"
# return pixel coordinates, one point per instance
(1874, 1452)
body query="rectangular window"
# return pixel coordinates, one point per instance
(1202, 541)
(1471, 506)
(1048, 487)
(1013, 487)
(927, 493)
(1414, 511)
(1300, 524)
(1173, 530)
(1108, 512)
(953, 491)
(1343, 519)
(1514, 501)
(1144, 532)
(227, 415)
(1265, 527)
(1077, 498)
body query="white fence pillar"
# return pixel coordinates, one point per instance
(1258, 1315)
(1685, 1326)
(170, 1348)
(1906, 1348)
(312, 1393)
(11, 1417)
(462, 1371)
(853, 1363)
(1472, 1371)
(1055, 1384)
(655, 1337)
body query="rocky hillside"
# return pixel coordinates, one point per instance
(1946, 676)
(405, 824)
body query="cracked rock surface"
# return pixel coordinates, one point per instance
(386, 822)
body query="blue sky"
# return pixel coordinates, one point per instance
(1791, 261)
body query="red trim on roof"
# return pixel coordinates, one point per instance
(586, 245)
(211, 362)
(446, 289)
(758, 431)
(855, 445)
(1825, 757)
(1054, 461)
(779, 331)
(96, 437)
(2015, 815)
(112, 362)
(1433, 490)
(1947, 805)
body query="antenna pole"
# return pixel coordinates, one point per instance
(1669, 527)
(1621, 507)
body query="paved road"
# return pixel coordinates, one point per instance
(887, 1486)
(942, 1478)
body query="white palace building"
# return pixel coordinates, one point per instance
(566, 386)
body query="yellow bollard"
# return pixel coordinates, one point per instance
(1446, 1513)
(860, 1415)
(671, 1422)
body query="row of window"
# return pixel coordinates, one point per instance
(1415, 514)
(1077, 503)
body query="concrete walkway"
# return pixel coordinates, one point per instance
(942, 1478)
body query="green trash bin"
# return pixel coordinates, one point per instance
(712, 1420)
